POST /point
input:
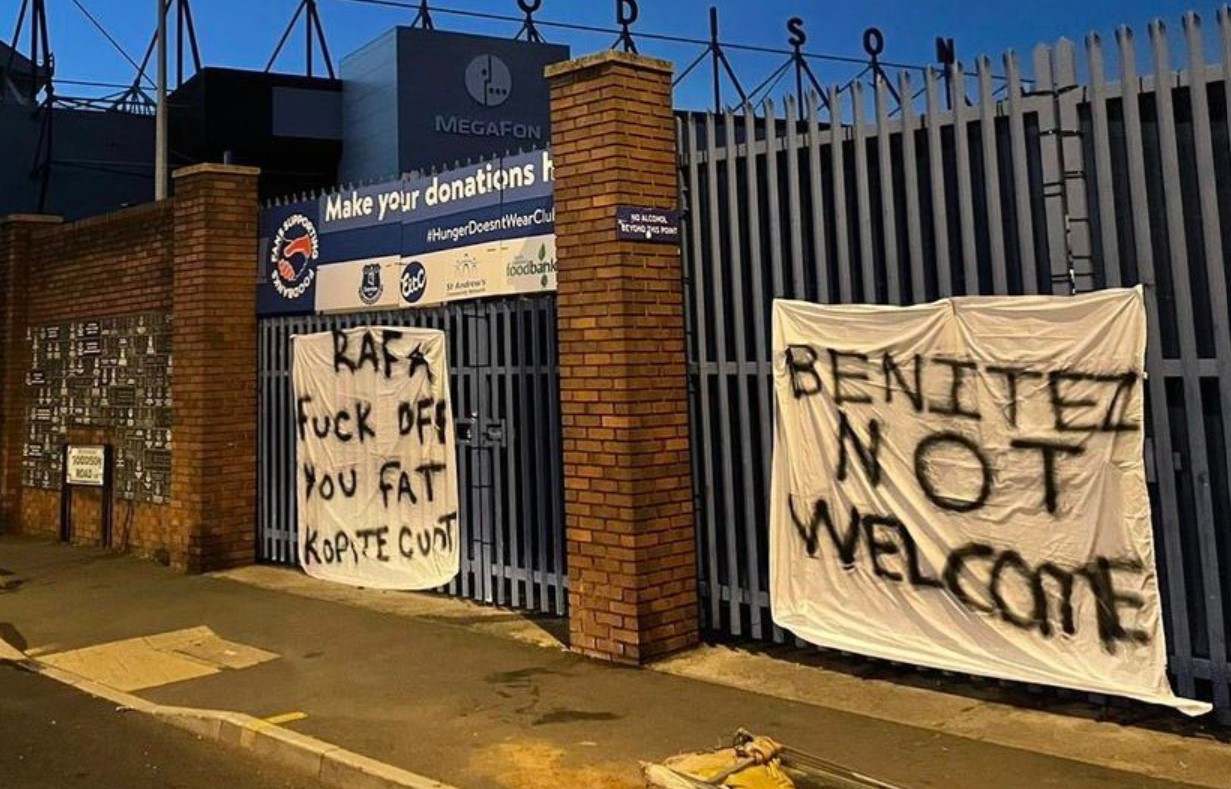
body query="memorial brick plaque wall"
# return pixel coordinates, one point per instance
(111, 375)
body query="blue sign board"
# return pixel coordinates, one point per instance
(490, 203)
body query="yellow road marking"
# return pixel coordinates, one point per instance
(286, 717)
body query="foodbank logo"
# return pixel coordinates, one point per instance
(542, 265)
(291, 255)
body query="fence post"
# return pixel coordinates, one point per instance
(1064, 170)
(624, 410)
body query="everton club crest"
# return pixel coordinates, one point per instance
(370, 286)
(291, 256)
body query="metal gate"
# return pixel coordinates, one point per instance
(503, 379)
(1031, 185)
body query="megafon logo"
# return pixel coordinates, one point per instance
(291, 255)
(488, 80)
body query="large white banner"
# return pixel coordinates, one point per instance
(377, 483)
(961, 485)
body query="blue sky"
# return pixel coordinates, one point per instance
(242, 33)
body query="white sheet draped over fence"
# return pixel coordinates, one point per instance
(961, 485)
(376, 466)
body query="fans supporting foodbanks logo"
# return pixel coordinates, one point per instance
(294, 249)
(413, 281)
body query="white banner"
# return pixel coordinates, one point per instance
(961, 485)
(377, 483)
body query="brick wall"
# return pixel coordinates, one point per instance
(192, 256)
(213, 389)
(15, 270)
(628, 487)
(112, 265)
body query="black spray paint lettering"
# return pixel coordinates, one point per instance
(925, 471)
(428, 539)
(332, 550)
(1114, 391)
(388, 336)
(846, 543)
(427, 412)
(325, 487)
(417, 361)
(393, 477)
(952, 406)
(404, 489)
(805, 381)
(930, 474)
(892, 369)
(1049, 451)
(869, 455)
(1011, 376)
(1113, 419)
(366, 543)
(342, 424)
(980, 576)
(841, 396)
(427, 471)
(378, 354)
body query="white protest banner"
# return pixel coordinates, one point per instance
(377, 483)
(961, 485)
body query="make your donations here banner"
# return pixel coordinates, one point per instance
(961, 485)
(375, 461)
(333, 253)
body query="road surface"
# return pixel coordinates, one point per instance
(58, 737)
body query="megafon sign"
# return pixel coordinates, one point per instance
(417, 98)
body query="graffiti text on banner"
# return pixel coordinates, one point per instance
(961, 485)
(376, 455)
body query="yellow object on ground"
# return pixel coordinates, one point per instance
(693, 770)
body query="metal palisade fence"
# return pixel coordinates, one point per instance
(503, 378)
(1039, 184)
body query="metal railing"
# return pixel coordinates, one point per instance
(504, 383)
(1043, 185)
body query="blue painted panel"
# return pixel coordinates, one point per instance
(493, 223)
(370, 111)
(463, 96)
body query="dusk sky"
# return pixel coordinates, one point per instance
(243, 33)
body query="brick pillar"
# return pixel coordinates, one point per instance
(16, 253)
(213, 380)
(627, 478)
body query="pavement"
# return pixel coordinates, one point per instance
(57, 737)
(480, 697)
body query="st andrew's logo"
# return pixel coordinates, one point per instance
(291, 256)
